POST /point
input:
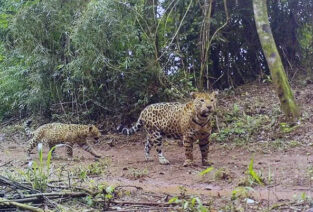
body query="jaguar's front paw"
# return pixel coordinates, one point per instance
(164, 161)
(206, 163)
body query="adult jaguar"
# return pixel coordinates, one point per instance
(190, 122)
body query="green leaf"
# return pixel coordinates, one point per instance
(254, 175)
(108, 196)
(49, 157)
(186, 204)
(193, 201)
(206, 171)
(173, 200)
(89, 200)
(109, 189)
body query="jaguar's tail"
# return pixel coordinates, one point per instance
(131, 130)
(28, 130)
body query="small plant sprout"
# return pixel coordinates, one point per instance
(253, 174)
(38, 173)
(241, 192)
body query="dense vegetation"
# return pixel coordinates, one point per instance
(93, 59)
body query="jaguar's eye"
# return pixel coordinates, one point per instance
(201, 100)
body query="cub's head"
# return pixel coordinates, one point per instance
(205, 103)
(94, 132)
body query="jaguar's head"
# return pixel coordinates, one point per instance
(204, 103)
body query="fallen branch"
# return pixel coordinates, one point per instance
(58, 194)
(24, 200)
(6, 163)
(128, 186)
(19, 205)
(6, 181)
(143, 209)
(74, 188)
(39, 197)
(159, 204)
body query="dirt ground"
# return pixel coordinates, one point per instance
(284, 161)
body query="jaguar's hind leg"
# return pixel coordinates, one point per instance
(53, 152)
(157, 139)
(88, 148)
(148, 146)
(69, 149)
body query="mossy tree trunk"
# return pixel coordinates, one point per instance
(288, 105)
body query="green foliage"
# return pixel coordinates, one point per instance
(191, 204)
(211, 174)
(303, 198)
(287, 128)
(241, 127)
(13, 87)
(305, 34)
(241, 192)
(136, 174)
(306, 37)
(93, 169)
(105, 193)
(78, 60)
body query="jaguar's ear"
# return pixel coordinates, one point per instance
(214, 93)
(90, 128)
(194, 94)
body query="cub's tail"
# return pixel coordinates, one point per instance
(131, 130)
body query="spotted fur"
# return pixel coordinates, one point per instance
(69, 134)
(190, 122)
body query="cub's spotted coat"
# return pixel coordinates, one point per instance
(69, 134)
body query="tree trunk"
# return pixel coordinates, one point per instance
(204, 39)
(151, 24)
(288, 105)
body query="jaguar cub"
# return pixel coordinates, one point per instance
(190, 122)
(69, 134)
